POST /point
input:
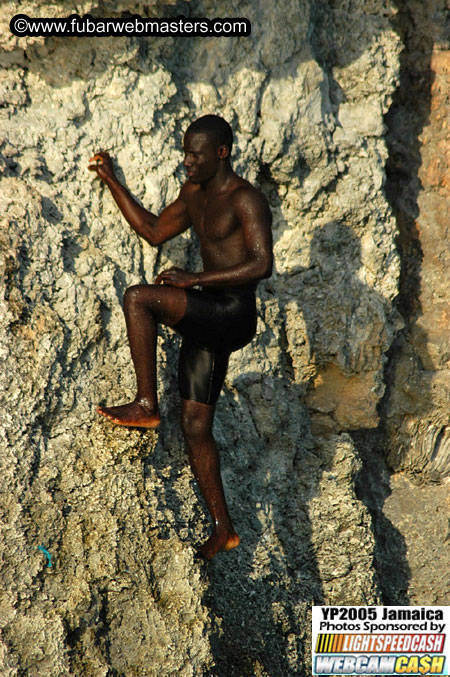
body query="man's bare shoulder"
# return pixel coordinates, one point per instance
(189, 190)
(247, 196)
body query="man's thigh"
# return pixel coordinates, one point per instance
(201, 373)
(167, 304)
(221, 320)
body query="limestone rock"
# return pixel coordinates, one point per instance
(418, 418)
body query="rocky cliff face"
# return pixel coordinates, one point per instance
(306, 94)
(417, 408)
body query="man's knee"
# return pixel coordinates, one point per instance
(138, 294)
(132, 295)
(196, 420)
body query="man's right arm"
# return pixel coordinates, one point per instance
(172, 221)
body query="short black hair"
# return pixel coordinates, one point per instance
(215, 127)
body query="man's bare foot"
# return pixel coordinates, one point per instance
(226, 540)
(134, 415)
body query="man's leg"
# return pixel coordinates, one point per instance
(196, 424)
(144, 307)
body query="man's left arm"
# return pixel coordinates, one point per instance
(253, 213)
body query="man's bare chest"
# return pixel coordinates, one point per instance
(213, 221)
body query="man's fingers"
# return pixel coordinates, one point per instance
(98, 158)
(166, 273)
(101, 160)
(101, 157)
(166, 277)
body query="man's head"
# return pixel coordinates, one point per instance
(207, 144)
(216, 128)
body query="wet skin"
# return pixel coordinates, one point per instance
(232, 220)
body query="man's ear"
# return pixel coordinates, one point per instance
(223, 152)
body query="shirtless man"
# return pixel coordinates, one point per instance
(232, 220)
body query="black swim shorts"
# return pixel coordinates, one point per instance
(217, 321)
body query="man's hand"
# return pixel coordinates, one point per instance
(175, 277)
(103, 166)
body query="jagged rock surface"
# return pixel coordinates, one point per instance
(418, 412)
(117, 510)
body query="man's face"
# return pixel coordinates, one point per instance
(201, 158)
